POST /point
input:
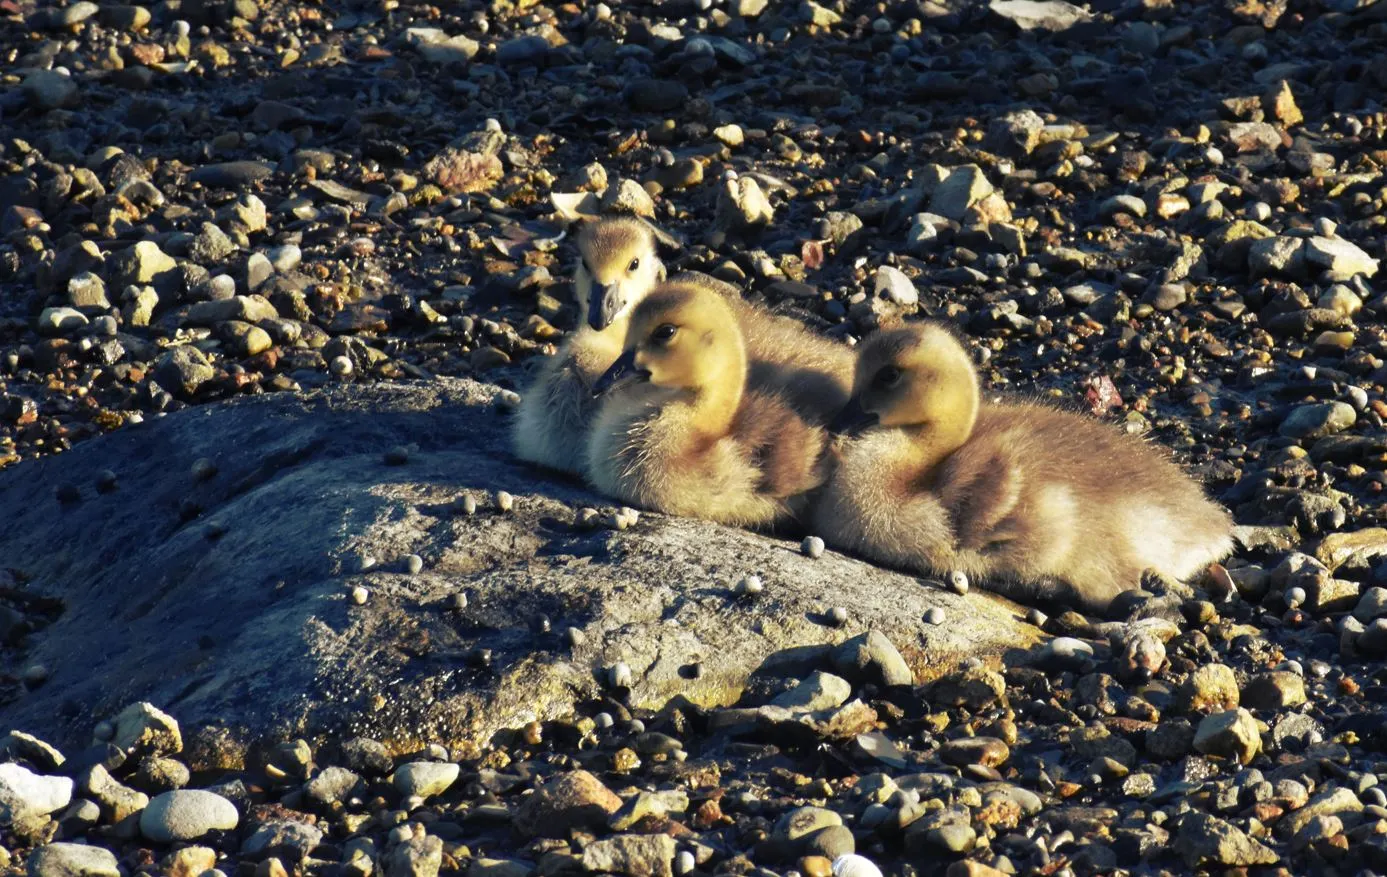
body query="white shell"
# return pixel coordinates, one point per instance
(853, 865)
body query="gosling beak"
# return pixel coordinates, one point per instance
(603, 306)
(623, 371)
(852, 419)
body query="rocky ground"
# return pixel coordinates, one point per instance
(1170, 212)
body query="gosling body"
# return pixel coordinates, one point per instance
(681, 431)
(1034, 501)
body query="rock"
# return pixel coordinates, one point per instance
(143, 264)
(1206, 840)
(117, 801)
(1318, 419)
(420, 856)
(525, 49)
(1128, 204)
(820, 691)
(460, 171)
(25, 794)
(182, 370)
(186, 814)
(963, 188)
(1372, 605)
(189, 862)
(210, 245)
(17, 744)
(871, 657)
(437, 47)
(333, 785)
(246, 213)
(231, 174)
(656, 95)
(288, 444)
(1274, 256)
(162, 774)
(1319, 828)
(87, 290)
(1051, 15)
(1016, 133)
(1275, 690)
(284, 838)
(895, 287)
(72, 860)
(1232, 734)
(60, 321)
(987, 751)
(245, 308)
(1280, 104)
(572, 800)
(1210, 688)
(48, 90)
(1340, 259)
(742, 205)
(1332, 802)
(635, 855)
(424, 779)
(243, 339)
(975, 689)
(628, 196)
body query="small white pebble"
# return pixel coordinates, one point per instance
(1293, 666)
(1213, 155)
(459, 601)
(812, 546)
(360, 595)
(684, 863)
(603, 720)
(1295, 597)
(575, 637)
(958, 582)
(414, 563)
(838, 616)
(1326, 227)
(508, 400)
(934, 616)
(1259, 210)
(853, 865)
(1037, 618)
(750, 585)
(620, 675)
(341, 366)
(586, 518)
(468, 504)
(504, 501)
(636, 726)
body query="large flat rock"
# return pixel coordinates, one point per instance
(243, 618)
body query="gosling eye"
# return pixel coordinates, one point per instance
(635, 264)
(888, 377)
(664, 333)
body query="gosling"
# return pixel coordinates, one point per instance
(681, 432)
(1033, 501)
(619, 265)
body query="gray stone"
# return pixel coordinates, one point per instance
(116, 799)
(628, 196)
(49, 90)
(1278, 255)
(186, 814)
(72, 860)
(87, 290)
(1274, 690)
(437, 47)
(1129, 204)
(162, 774)
(1016, 133)
(1206, 840)
(802, 822)
(1342, 259)
(210, 245)
(25, 794)
(246, 308)
(1051, 15)
(142, 264)
(272, 450)
(742, 205)
(820, 691)
(284, 838)
(871, 657)
(332, 785)
(424, 779)
(231, 174)
(1373, 604)
(895, 287)
(17, 744)
(635, 855)
(524, 49)
(572, 800)
(1333, 802)
(961, 189)
(1318, 419)
(60, 321)
(420, 856)
(1232, 734)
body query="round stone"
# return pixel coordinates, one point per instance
(186, 814)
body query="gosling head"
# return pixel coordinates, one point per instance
(618, 266)
(681, 338)
(918, 376)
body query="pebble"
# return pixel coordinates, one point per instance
(813, 547)
(25, 794)
(360, 595)
(424, 779)
(1231, 734)
(186, 814)
(958, 582)
(72, 860)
